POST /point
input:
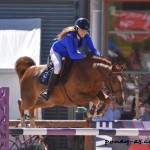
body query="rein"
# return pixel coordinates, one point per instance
(108, 84)
(110, 88)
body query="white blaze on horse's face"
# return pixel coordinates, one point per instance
(121, 80)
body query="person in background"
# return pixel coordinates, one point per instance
(148, 93)
(67, 44)
(146, 115)
(145, 92)
(128, 111)
(112, 113)
(135, 60)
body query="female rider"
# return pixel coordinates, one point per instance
(67, 44)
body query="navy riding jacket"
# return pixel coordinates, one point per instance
(68, 45)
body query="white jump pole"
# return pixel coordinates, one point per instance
(79, 131)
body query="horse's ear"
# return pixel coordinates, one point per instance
(114, 67)
(118, 68)
(123, 66)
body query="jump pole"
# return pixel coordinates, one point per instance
(79, 131)
(61, 124)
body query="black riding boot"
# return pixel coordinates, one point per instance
(51, 83)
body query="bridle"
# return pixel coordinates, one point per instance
(108, 84)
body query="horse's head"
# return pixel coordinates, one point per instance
(116, 83)
(113, 79)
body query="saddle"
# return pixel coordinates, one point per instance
(65, 70)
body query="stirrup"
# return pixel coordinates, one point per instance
(44, 94)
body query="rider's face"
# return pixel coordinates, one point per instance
(82, 32)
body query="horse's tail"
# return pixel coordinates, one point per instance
(22, 64)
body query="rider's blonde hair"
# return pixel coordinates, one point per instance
(65, 31)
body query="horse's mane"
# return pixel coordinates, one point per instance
(101, 60)
(23, 63)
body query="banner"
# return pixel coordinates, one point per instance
(132, 21)
(131, 37)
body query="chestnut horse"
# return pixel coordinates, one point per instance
(84, 84)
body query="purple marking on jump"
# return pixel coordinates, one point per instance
(61, 131)
(4, 118)
(144, 132)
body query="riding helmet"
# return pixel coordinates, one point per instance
(82, 23)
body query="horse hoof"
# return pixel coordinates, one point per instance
(28, 126)
(101, 114)
(20, 125)
(31, 126)
(87, 118)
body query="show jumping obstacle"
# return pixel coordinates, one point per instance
(4, 118)
(80, 127)
(79, 131)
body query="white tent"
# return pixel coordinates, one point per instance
(18, 37)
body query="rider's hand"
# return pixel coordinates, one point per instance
(89, 54)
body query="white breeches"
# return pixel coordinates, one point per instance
(57, 61)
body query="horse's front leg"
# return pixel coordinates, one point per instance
(105, 105)
(93, 109)
(106, 101)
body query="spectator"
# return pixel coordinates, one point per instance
(145, 93)
(128, 113)
(135, 60)
(111, 113)
(148, 96)
(146, 115)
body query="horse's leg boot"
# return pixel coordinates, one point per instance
(51, 83)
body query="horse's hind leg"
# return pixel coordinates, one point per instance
(32, 118)
(39, 104)
(21, 113)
